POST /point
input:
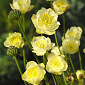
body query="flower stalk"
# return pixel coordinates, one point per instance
(24, 59)
(63, 25)
(23, 22)
(80, 59)
(14, 57)
(72, 64)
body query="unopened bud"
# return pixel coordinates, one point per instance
(80, 74)
(70, 78)
(14, 14)
(12, 51)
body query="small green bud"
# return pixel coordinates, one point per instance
(14, 14)
(12, 51)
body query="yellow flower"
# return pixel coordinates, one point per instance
(70, 45)
(56, 51)
(45, 21)
(60, 6)
(56, 64)
(49, 0)
(80, 74)
(41, 44)
(34, 73)
(14, 39)
(74, 32)
(84, 50)
(22, 5)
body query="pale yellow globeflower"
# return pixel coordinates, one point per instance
(84, 50)
(80, 74)
(56, 64)
(45, 21)
(14, 39)
(22, 5)
(74, 32)
(70, 45)
(41, 45)
(34, 73)
(49, 0)
(60, 6)
(56, 50)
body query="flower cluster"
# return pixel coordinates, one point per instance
(71, 42)
(74, 32)
(54, 57)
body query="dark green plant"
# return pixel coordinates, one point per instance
(9, 74)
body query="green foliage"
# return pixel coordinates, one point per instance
(76, 13)
(9, 74)
(2, 48)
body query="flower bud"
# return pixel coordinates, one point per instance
(70, 78)
(12, 51)
(80, 74)
(14, 14)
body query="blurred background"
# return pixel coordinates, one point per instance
(74, 16)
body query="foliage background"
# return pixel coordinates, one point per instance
(75, 16)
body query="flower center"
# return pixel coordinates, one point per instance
(71, 44)
(71, 34)
(14, 40)
(22, 2)
(62, 5)
(46, 20)
(56, 63)
(32, 72)
(41, 44)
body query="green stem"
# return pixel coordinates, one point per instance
(24, 59)
(71, 83)
(81, 82)
(36, 58)
(25, 36)
(63, 25)
(64, 79)
(41, 34)
(59, 82)
(51, 4)
(28, 42)
(44, 59)
(14, 57)
(54, 79)
(18, 67)
(46, 80)
(23, 22)
(57, 42)
(60, 53)
(80, 59)
(72, 64)
(64, 35)
(23, 48)
(67, 62)
(45, 77)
